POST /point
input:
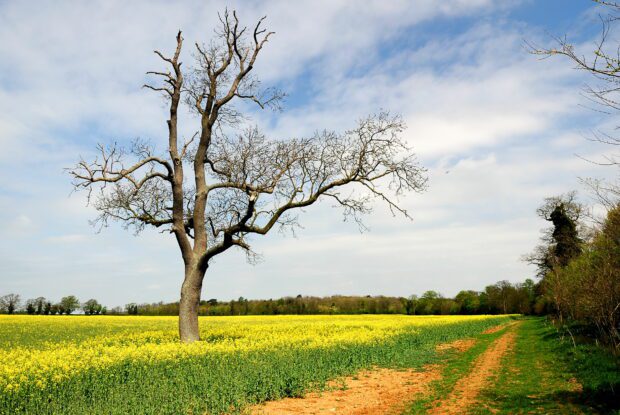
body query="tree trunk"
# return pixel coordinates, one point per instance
(189, 304)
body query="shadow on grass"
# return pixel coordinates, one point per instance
(588, 401)
(557, 374)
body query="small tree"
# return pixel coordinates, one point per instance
(132, 309)
(9, 303)
(226, 183)
(39, 304)
(69, 304)
(30, 307)
(47, 308)
(92, 307)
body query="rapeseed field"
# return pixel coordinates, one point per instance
(130, 364)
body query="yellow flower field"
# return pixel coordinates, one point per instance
(157, 339)
(37, 352)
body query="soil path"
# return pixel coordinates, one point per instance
(487, 365)
(379, 391)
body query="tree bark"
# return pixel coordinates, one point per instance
(189, 304)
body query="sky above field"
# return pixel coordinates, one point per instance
(497, 128)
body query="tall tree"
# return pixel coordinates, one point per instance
(561, 241)
(216, 189)
(560, 244)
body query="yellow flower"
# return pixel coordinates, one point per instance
(37, 350)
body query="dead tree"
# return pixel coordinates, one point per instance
(216, 189)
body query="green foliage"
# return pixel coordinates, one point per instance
(92, 307)
(68, 304)
(587, 289)
(567, 243)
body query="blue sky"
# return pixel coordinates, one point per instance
(498, 129)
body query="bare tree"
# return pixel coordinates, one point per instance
(602, 62)
(224, 184)
(9, 303)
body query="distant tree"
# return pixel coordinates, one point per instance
(30, 307)
(132, 309)
(430, 303)
(116, 310)
(411, 304)
(48, 308)
(55, 309)
(500, 295)
(92, 307)
(39, 304)
(9, 303)
(469, 301)
(69, 304)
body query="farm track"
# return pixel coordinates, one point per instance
(484, 369)
(381, 391)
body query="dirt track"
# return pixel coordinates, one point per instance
(381, 391)
(484, 368)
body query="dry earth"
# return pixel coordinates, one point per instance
(380, 391)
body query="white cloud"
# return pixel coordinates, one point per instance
(71, 238)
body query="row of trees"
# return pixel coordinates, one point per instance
(579, 267)
(500, 298)
(11, 304)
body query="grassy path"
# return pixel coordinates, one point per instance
(483, 371)
(524, 368)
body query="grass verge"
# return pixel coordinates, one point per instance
(543, 374)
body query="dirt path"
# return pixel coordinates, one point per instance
(487, 365)
(380, 391)
(495, 329)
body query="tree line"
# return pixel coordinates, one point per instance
(500, 298)
(12, 304)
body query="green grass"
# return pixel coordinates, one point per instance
(543, 374)
(546, 374)
(456, 365)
